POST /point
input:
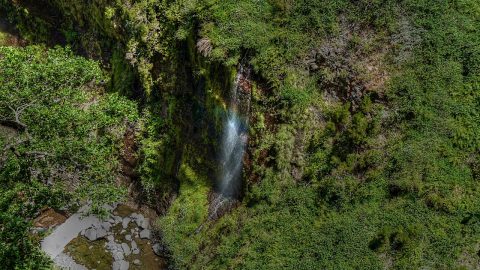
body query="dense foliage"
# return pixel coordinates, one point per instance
(390, 158)
(364, 129)
(60, 138)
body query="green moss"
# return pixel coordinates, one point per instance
(187, 213)
(123, 75)
(3, 38)
(90, 254)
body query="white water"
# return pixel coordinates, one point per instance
(233, 145)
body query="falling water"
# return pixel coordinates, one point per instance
(233, 143)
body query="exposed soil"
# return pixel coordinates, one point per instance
(49, 218)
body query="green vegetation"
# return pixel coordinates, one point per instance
(364, 126)
(60, 140)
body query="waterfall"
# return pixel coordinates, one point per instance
(234, 139)
(232, 146)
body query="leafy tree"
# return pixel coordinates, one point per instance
(60, 141)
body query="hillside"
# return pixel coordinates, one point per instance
(263, 134)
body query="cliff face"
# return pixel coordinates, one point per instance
(183, 91)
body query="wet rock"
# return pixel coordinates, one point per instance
(120, 265)
(126, 249)
(125, 222)
(145, 234)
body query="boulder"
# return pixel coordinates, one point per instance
(145, 234)
(126, 249)
(117, 219)
(91, 234)
(118, 256)
(135, 249)
(139, 219)
(101, 233)
(106, 225)
(159, 249)
(125, 222)
(145, 224)
(120, 265)
(136, 262)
